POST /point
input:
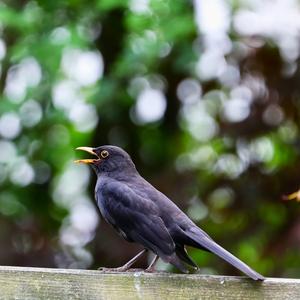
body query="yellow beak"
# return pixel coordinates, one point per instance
(89, 160)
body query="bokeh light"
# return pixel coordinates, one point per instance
(205, 97)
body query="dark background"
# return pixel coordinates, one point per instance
(204, 95)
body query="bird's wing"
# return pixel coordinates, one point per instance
(137, 217)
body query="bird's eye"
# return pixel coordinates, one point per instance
(104, 154)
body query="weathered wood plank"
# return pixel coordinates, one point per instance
(38, 283)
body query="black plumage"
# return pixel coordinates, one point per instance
(142, 214)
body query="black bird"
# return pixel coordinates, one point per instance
(142, 214)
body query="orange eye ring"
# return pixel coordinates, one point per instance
(104, 154)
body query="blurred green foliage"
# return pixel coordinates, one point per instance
(207, 105)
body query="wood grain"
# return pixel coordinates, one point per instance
(38, 283)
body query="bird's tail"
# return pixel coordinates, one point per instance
(175, 261)
(204, 241)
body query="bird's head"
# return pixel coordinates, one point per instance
(109, 159)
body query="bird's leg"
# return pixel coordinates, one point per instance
(151, 268)
(127, 266)
(132, 261)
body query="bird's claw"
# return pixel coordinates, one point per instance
(129, 270)
(120, 269)
(149, 270)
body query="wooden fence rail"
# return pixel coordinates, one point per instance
(38, 283)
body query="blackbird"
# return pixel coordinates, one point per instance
(142, 214)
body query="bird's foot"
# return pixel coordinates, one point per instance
(150, 270)
(119, 269)
(135, 270)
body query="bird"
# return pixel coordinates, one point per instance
(142, 214)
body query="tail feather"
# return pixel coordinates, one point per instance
(182, 254)
(206, 242)
(175, 261)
